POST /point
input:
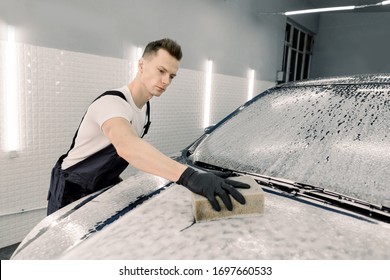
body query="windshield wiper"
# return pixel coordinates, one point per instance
(378, 212)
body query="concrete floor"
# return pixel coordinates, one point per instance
(6, 252)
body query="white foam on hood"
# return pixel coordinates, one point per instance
(335, 137)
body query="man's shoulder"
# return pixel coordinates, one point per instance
(122, 92)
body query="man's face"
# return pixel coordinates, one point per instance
(157, 71)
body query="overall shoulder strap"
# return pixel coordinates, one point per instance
(115, 93)
(111, 92)
(147, 125)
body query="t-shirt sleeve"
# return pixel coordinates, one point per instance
(108, 107)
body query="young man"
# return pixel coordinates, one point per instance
(110, 137)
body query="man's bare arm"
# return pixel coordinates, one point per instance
(139, 153)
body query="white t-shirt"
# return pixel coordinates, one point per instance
(90, 137)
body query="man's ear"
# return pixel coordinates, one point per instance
(141, 62)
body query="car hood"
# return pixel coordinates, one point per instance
(129, 222)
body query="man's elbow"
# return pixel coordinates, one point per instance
(124, 152)
(128, 151)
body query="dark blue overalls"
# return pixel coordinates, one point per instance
(94, 173)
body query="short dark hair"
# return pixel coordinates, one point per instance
(167, 44)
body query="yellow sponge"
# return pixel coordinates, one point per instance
(254, 198)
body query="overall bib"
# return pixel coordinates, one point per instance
(94, 173)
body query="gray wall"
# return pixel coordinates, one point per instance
(352, 43)
(234, 33)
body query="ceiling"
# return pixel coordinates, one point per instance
(337, 3)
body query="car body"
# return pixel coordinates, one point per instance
(320, 149)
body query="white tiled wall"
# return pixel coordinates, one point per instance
(55, 87)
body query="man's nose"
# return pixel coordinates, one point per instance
(166, 79)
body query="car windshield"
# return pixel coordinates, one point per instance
(331, 136)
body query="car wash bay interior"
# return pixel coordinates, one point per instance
(57, 56)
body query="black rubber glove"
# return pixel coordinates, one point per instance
(209, 185)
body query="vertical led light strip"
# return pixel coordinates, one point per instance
(137, 55)
(11, 109)
(207, 99)
(251, 81)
